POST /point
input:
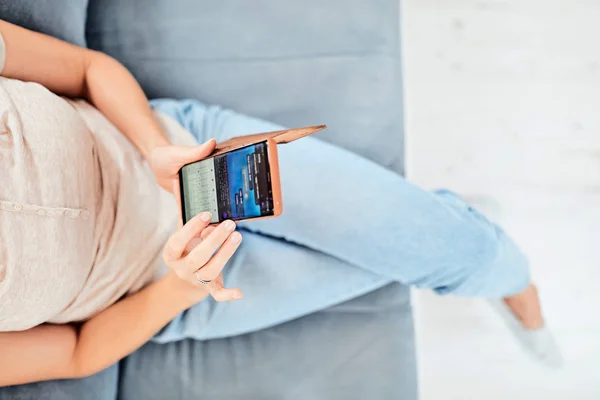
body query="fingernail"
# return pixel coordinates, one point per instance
(237, 296)
(205, 216)
(229, 225)
(236, 237)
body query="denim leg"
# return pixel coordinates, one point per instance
(348, 227)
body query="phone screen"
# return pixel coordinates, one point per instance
(235, 185)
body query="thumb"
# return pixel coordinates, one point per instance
(180, 155)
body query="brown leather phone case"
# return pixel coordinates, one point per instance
(280, 137)
(273, 139)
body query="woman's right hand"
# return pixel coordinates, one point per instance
(197, 252)
(48, 352)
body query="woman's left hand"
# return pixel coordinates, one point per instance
(167, 160)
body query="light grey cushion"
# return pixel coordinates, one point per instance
(295, 62)
(361, 349)
(64, 19)
(101, 386)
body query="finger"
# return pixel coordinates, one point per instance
(220, 293)
(199, 238)
(192, 245)
(177, 156)
(224, 294)
(205, 250)
(207, 231)
(177, 194)
(178, 242)
(215, 265)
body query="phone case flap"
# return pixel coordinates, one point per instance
(281, 137)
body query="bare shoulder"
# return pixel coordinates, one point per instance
(35, 57)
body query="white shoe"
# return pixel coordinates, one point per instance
(538, 343)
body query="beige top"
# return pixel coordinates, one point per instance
(82, 219)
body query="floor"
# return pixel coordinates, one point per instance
(503, 105)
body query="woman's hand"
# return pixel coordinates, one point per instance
(47, 352)
(166, 160)
(198, 252)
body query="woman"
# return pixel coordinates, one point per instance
(87, 233)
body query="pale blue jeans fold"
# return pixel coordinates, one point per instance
(349, 226)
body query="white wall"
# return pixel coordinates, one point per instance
(503, 102)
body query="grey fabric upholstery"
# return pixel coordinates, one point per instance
(361, 349)
(295, 62)
(64, 19)
(101, 386)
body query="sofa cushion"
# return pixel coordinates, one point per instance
(360, 349)
(101, 386)
(296, 62)
(64, 19)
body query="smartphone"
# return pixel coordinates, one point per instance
(240, 184)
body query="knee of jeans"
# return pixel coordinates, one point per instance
(460, 249)
(493, 267)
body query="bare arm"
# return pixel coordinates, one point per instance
(82, 73)
(63, 351)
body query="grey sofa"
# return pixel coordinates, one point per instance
(296, 63)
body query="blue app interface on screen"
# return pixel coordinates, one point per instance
(235, 185)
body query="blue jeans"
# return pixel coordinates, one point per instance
(349, 227)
